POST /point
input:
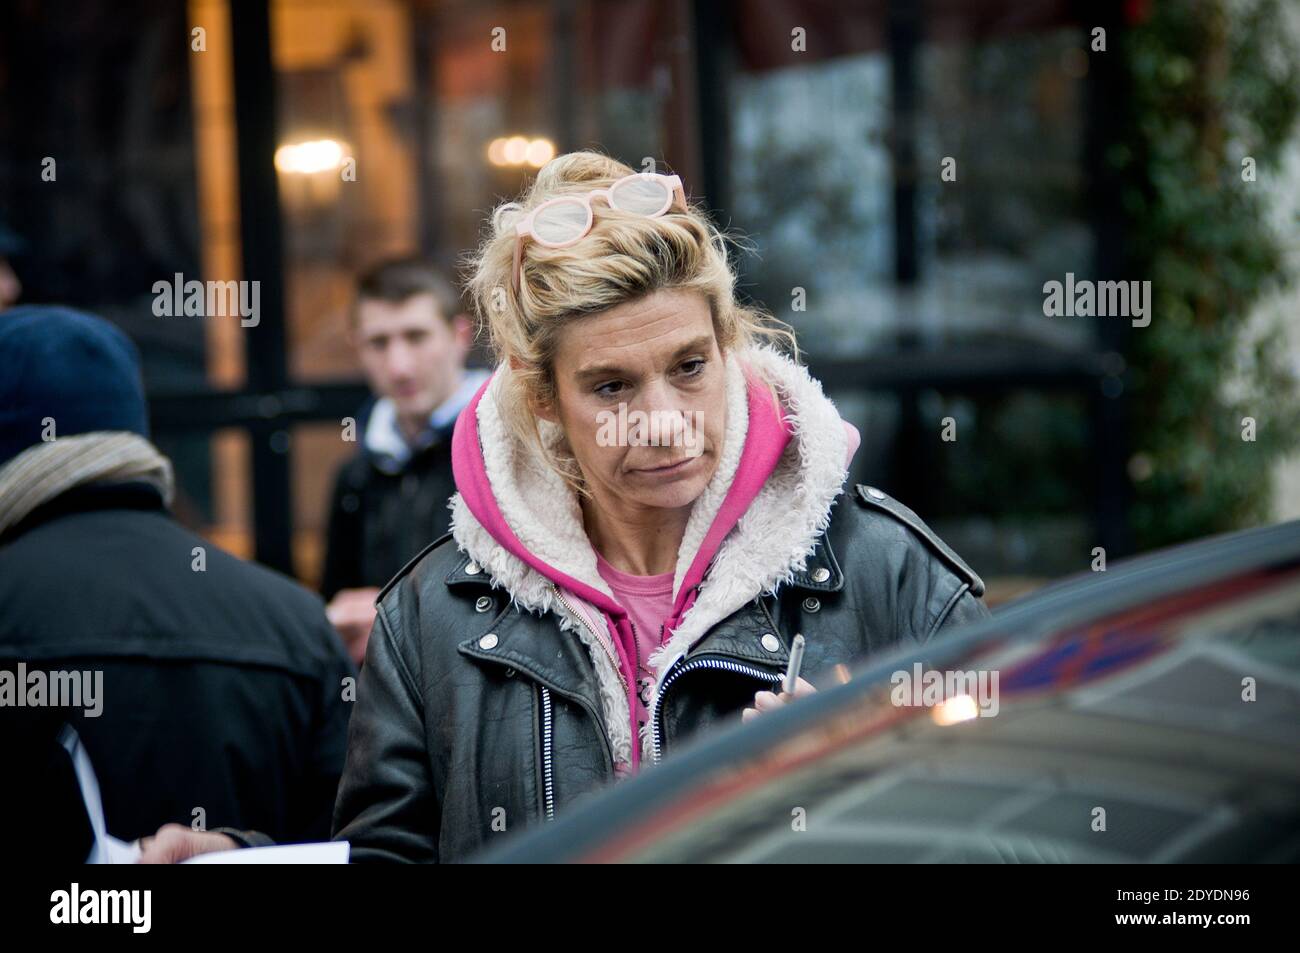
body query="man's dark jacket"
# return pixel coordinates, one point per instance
(223, 689)
(382, 515)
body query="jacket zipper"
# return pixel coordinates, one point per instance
(548, 776)
(601, 642)
(548, 769)
(548, 727)
(719, 664)
(636, 673)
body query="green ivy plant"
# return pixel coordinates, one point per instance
(1213, 83)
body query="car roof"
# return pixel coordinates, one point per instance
(1121, 704)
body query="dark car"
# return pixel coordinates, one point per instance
(1149, 713)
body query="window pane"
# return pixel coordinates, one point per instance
(345, 162)
(1009, 113)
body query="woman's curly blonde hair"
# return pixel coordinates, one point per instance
(624, 257)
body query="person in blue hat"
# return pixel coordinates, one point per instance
(206, 690)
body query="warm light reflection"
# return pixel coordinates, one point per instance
(308, 158)
(953, 710)
(540, 152)
(516, 149)
(520, 150)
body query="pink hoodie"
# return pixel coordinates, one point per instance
(767, 436)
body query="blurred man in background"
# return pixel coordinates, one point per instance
(390, 500)
(206, 690)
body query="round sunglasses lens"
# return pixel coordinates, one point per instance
(643, 196)
(561, 222)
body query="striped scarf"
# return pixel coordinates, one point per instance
(46, 470)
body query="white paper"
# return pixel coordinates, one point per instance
(107, 849)
(326, 852)
(116, 851)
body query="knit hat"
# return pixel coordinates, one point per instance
(65, 372)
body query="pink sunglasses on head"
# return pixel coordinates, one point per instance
(564, 221)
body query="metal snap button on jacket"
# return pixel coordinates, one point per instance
(488, 641)
(472, 569)
(482, 604)
(874, 493)
(812, 605)
(821, 574)
(770, 642)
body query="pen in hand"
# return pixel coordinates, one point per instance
(785, 691)
(796, 662)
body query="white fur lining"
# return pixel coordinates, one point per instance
(768, 545)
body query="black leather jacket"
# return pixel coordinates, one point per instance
(475, 718)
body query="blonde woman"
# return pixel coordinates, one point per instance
(651, 503)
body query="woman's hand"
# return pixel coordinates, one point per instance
(174, 843)
(770, 701)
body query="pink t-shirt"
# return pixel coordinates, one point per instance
(648, 601)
